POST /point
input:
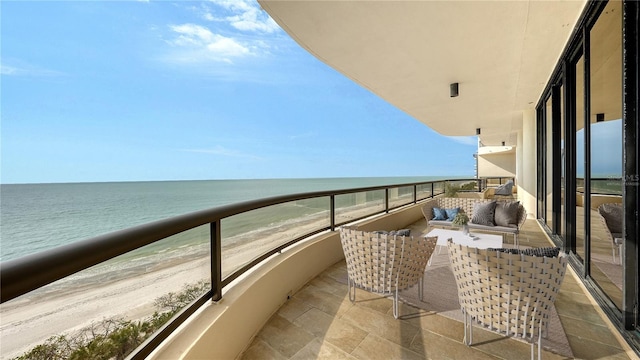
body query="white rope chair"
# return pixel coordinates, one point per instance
(385, 264)
(511, 294)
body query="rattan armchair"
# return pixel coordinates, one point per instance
(511, 294)
(385, 264)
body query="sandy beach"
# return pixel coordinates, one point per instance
(31, 319)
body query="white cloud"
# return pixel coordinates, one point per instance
(246, 16)
(222, 151)
(17, 68)
(8, 70)
(465, 140)
(205, 45)
(302, 136)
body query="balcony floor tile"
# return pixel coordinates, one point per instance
(319, 322)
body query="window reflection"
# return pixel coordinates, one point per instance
(549, 166)
(606, 144)
(579, 119)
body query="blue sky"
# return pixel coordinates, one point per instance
(144, 90)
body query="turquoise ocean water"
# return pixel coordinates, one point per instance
(36, 217)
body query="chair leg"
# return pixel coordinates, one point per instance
(421, 289)
(468, 329)
(352, 290)
(539, 344)
(395, 304)
(620, 253)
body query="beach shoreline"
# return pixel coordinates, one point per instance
(58, 309)
(31, 319)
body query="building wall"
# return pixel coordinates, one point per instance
(497, 165)
(526, 171)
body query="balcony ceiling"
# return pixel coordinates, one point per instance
(408, 52)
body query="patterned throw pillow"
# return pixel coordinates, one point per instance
(539, 252)
(439, 214)
(401, 232)
(483, 213)
(544, 251)
(507, 213)
(506, 250)
(451, 213)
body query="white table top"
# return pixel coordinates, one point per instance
(480, 241)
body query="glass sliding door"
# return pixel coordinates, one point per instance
(549, 164)
(579, 172)
(605, 121)
(560, 183)
(588, 151)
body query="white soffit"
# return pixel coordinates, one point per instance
(496, 150)
(408, 52)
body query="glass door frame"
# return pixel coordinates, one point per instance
(631, 168)
(627, 318)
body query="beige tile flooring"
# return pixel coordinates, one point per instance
(319, 322)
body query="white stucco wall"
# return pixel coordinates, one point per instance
(526, 172)
(497, 165)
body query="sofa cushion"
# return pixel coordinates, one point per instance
(439, 214)
(401, 232)
(504, 189)
(483, 213)
(612, 214)
(451, 213)
(512, 229)
(506, 213)
(439, 223)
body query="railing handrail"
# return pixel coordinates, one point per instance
(30, 272)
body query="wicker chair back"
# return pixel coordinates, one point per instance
(511, 294)
(385, 264)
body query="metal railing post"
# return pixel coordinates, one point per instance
(386, 200)
(415, 193)
(216, 261)
(332, 211)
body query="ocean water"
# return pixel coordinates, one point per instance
(36, 217)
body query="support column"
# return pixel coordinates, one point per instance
(526, 173)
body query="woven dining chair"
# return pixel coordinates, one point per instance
(510, 294)
(385, 264)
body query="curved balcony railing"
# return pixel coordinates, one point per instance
(323, 210)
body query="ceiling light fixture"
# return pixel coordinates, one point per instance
(453, 90)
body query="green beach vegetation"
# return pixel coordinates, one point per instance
(115, 338)
(452, 189)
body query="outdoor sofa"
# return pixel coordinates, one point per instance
(504, 217)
